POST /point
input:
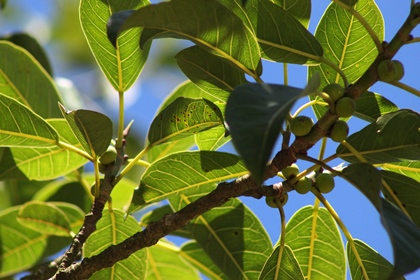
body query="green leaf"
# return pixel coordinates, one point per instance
(32, 161)
(209, 72)
(282, 37)
(404, 192)
(194, 254)
(92, 129)
(367, 179)
(282, 264)
(408, 168)
(21, 127)
(184, 117)
(255, 114)
(212, 139)
(113, 228)
(314, 238)
(45, 218)
(405, 238)
(231, 235)
(393, 137)
(30, 44)
(344, 38)
(74, 214)
(209, 24)
(165, 262)
(167, 177)
(299, 9)
(377, 267)
(20, 247)
(25, 80)
(371, 106)
(123, 64)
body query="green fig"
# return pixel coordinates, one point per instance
(303, 186)
(109, 156)
(339, 131)
(271, 201)
(345, 107)
(335, 91)
(324, 182)
(290, 171)
(390, 70)
(301, 125)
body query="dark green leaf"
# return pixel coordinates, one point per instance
(299, 9)
(255, 114)
(344, 38)
(3, 4)
(182, 118)
(21, 127)
(284, 266)
(315, 240)
(393, 137)
(121, 64)
(371, 106)
(24, 79)
(209, 24)
(186, 173)
(282, 37)
(376, 266)
(209, 72)
(92, 129)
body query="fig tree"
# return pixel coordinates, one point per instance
(324, 182)
(109, 156)
(339, 131)
(301, 125)
(304, 185)
(290, 171)
(390, 70)
(271, 201)
(335, 91)
(345, 107)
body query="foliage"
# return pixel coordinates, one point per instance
(44, 146)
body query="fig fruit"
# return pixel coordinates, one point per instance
(301, 125)
(109, 156)
(290, 171)
(345, 107)
(271, 201)
(390, 70)
(304, 185)
(324, 182)
(335, 91)
(339, 131)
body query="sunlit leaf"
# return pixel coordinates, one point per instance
(92, 129)
(182, 118)
(21, 127)
(376, 266)
(210, 25)
(74, 214)
(112, 229)
(25, 80)
(393, 137)
(371, 106)
(313, 236)
(408, 168)
(123, 64)
(186, 173)
(299, 9)
(212, 139)
(281, 265)
(347, 43)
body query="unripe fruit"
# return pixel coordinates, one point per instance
(335, 91)
(271, 201)
(345, 107)
(301, 125)
(303, 185)
(290, 171)
(390, 70)
(349, 2)
(324, 182)
(339, 131)
(109, 156)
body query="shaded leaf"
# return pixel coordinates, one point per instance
(92, 129)
(185, 173)
(284, 266)
(314, 238)
(120, 65)
(21, 127)
(371, 106)
(299, 9)
(194, 254)
(45, 218)
(184, 117)
(393, 137)
(25, 80)
(344, 39)
(210, 25)
(209, 72)
(282, 37)
(376, 266)
(113, 228)
(255, 114)
(231, 235)
(20, 247)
